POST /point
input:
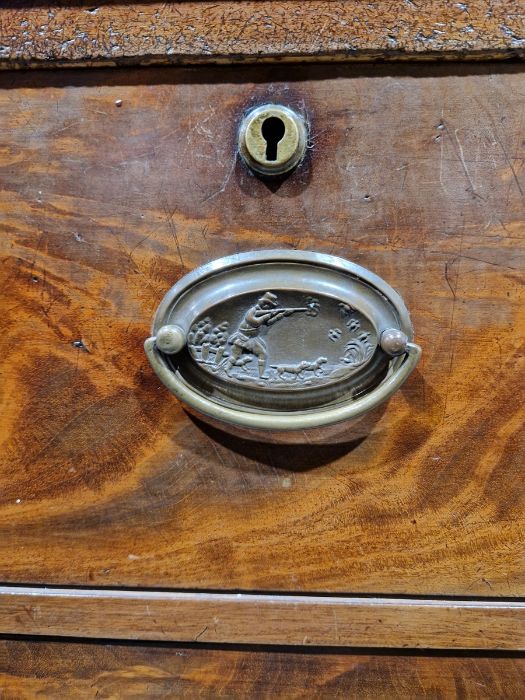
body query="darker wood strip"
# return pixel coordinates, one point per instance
(187, 32)
(263, 619)
(59, 668)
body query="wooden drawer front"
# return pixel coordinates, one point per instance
(117, 182)
(54, 669)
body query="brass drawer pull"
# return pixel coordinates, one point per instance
(282, 340)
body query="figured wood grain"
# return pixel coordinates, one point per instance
(240, 30)
(105, 481)
(263, 619)
(54, 669)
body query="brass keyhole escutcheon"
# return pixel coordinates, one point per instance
(272, 139)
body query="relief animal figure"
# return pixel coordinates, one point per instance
(298, 371)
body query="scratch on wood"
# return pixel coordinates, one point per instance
(201, 633)
(461, 156)
(447, 278)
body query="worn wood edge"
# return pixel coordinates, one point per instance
(269, 619)
(138, 33)
(339, 57)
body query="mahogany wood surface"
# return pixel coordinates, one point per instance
(114, 184)
(36, 34)
(238, 618)
(52, 669)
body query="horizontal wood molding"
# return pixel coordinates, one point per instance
(263, 619)
(225, 31)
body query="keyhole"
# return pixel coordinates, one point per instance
(272, 131)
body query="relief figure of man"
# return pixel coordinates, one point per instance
(247, 337)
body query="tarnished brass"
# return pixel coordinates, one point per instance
(282, 340)
(272, 139)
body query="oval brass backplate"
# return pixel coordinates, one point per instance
(282, 340)
(272, 139)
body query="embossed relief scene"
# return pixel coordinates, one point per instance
(282, 339)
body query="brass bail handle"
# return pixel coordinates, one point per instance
(351, 411)
(302, 340)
